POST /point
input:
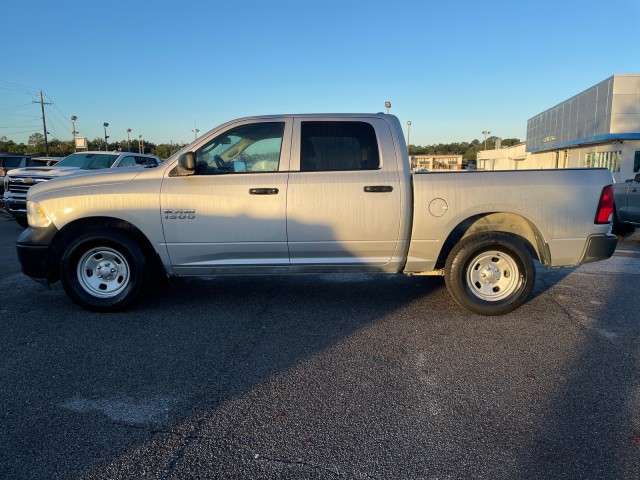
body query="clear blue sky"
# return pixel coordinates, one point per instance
(454, 68)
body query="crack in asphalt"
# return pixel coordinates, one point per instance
(225, 374)
(333, 469)
(588, 329)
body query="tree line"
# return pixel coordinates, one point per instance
(58, 148)
(468, 150)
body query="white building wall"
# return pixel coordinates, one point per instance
(599, 127)
(517, 158)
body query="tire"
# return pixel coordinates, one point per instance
(620, 229)
(490, 273)
(87, 258)
(22, 221)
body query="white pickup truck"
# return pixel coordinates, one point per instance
(313, 194)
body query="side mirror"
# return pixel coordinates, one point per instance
(637, 178)
(186, 164)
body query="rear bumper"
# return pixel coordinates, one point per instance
(599, 247)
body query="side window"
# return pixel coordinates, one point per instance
(146, 161)
(127, 162)
(636, 162)
(338, 146)
(250, 148)
(12, 162)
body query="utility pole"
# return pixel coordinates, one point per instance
(73, 131)
(44, 122)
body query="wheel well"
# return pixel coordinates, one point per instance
(73, 229)
(508, 223)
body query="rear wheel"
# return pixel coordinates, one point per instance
(490, 273)
(103, 270)
(619, 228)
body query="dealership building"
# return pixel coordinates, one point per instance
(599, 127)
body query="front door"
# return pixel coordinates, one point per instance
(231, 213)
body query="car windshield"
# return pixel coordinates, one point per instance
(88, 161)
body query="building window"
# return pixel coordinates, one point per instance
(610, 160)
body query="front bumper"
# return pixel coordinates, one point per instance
(16, 207)
(599, 247)
(33, 251)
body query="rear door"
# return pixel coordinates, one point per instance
(230, 214)
(633, 200)
(344, 198)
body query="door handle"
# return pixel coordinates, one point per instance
(263, 191)
(378, 188)
(633, 189)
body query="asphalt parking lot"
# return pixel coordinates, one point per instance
(328, 376)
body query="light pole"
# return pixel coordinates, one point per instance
(408, 134)
(387, 104)
(128, 140)
(106, 145)
(140, 144)
(485, 132)
(73, 131)
(195, 129)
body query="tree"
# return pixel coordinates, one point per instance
(36, 144)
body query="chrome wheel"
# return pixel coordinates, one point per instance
(493, 275)
(103, 272)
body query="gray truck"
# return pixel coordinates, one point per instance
(627, 205)
(297, 194)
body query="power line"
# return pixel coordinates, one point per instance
(16, 87)
(15, 107)
(17, 133)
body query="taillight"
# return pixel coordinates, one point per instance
(605, 207)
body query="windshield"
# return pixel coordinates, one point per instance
(88, 161)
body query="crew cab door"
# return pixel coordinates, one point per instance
(231, 213)
(344, 199)
(633, 200)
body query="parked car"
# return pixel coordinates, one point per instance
(18, 182)
(43, 161)
(311, 194)
(9, 161)
(627, 205)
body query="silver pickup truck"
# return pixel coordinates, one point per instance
(313, 194)
(626, 196)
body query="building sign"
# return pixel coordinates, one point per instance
(81, 142)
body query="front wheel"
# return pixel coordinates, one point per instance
(490, 273)
(103, 270)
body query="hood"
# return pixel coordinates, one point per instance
(76, 178)
(43, 171)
